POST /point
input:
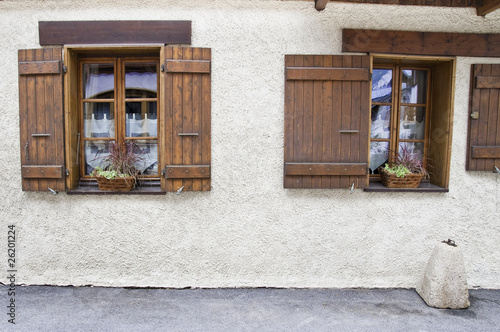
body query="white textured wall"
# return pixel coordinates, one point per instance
(248, 231)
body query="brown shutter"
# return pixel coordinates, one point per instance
(327, 111)
(187, 136)
(41, 119)
(484, 122)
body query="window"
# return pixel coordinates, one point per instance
(156, 96)
(119, 102)
(332, 140)
(399, 120)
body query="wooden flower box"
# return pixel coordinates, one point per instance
(390, 180)
(116, 184)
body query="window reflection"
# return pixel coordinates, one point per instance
(412, 124)
(414, 86)
(379, 155)
(141, 80)
(98, 81)
(381, 119)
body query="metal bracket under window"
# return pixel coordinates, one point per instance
(497, 170)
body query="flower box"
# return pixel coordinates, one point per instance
(117, 184)
(390, 180)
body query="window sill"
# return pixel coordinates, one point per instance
(424, 187)
(91, 188)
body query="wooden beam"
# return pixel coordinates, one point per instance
(487, 7)
(114, 32)
(421, 43)
(320, 4)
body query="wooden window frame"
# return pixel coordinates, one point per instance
(395, 140)
(119, 101)
(439, 125)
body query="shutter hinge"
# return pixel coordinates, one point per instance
(65, 69)
(67, 172)
(371, 75)
(162, 68)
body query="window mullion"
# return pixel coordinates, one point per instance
(120, 102)
(427, 119)
(396, 105)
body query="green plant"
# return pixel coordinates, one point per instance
(399, 170)
(108, 174)
(405, 163)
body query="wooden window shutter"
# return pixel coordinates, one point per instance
(327, 113)
(484, 122)
(187, 112)
(41, 119)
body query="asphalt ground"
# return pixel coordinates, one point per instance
(47, 308)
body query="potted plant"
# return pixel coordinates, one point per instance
(121, 173)
(407, 171)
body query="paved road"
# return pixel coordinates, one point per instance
(43, 308)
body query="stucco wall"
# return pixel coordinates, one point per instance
(247, 231)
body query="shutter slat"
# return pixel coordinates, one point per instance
(39, 67)
(485, 151)
(188, 172)
(344, 169)
(42, 172)
(328, 74)
(188, 66)
(488, 82)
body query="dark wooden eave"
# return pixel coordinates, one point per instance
(483, 7)
(487, 7)
(114, 32)
(421, 43)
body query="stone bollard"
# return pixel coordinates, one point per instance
(444, 284)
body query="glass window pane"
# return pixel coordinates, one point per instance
(381, 119)
(382, 85)
(148, 151)
(412, 123)
(98, 81)
(141, 80)
(98, 119)
(95, 154)
(415, 149)
(379, 155)
(414, 86)
(141, 119)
